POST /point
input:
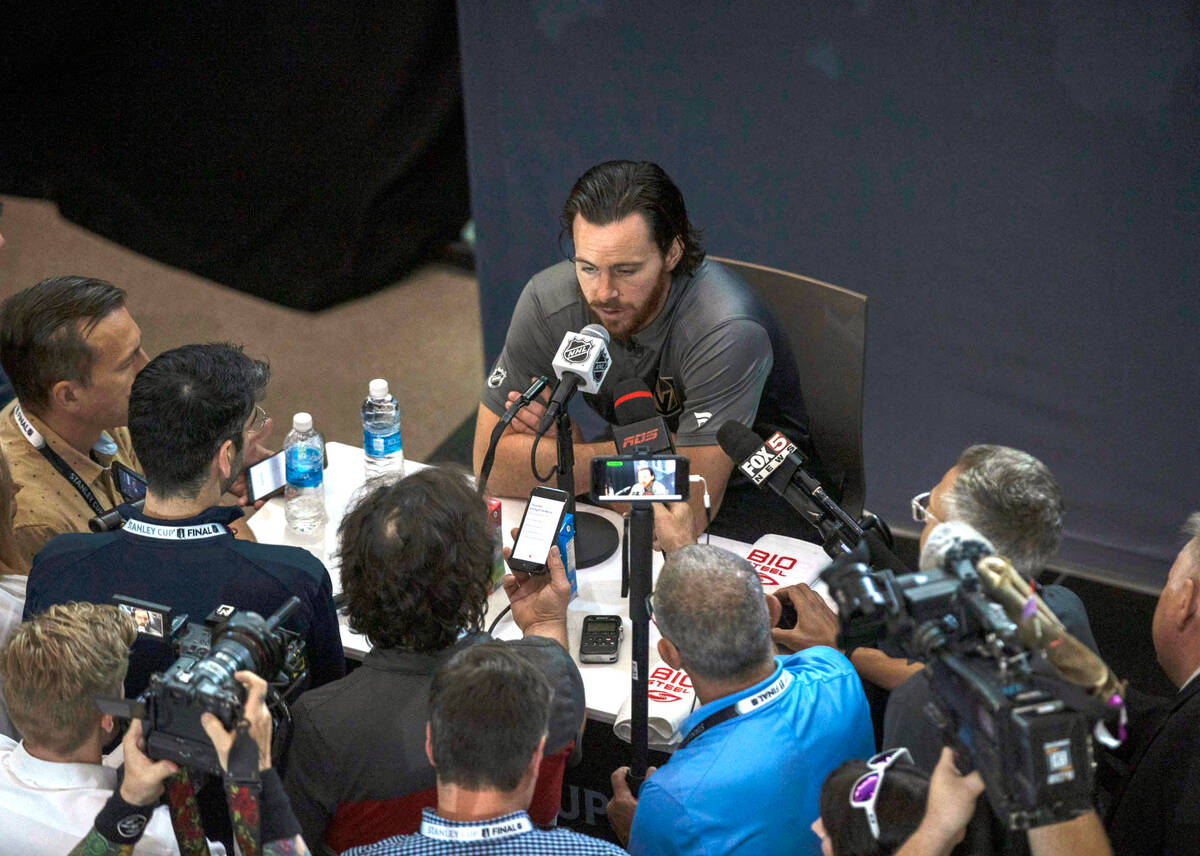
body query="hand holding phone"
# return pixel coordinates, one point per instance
(539, 528)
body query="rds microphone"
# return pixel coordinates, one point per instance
(638, 424)
(582, 362)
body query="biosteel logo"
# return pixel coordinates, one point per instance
(771, 567)
(667, 685)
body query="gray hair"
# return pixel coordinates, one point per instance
(1013, 500)
(1191, 526)
(709, 604)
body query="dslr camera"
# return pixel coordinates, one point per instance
(1001, 704)
(200, 680)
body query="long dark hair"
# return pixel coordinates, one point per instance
(899, 808)
(613, 190)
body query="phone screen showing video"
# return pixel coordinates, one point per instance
(650, 479)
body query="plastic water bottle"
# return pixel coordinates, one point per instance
(304, 493)
(382, 445)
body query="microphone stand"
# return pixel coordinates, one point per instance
(595, 537)
(639, 551)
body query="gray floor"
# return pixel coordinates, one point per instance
(422, 334)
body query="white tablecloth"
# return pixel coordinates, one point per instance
(779, 560)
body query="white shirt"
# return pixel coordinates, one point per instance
(12, 602)
(48, 807)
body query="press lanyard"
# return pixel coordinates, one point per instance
(433, 828)
(187, 532)
(38, 442)
(765, 696)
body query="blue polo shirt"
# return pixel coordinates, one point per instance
(192, 566)
(750, 784)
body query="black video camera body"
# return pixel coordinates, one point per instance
(201, 679)
(1025, 729)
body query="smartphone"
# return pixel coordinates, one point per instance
(600, 641)
(132, 485)
(268, 477)
(540, 524)
(639, 479)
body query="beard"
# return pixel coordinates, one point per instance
(633, 321)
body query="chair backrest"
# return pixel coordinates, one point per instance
(827, 328)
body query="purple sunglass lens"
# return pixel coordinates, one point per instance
(865, 788)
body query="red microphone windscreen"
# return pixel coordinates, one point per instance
(633, 402)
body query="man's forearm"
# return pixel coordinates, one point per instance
(511, 475)
(927, 841)
(556, 630)
(1083, 836)
(882, 670)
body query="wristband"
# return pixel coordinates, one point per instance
(278, 821)
(121, 822)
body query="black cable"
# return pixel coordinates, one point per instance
(533, 462)
(503, 613)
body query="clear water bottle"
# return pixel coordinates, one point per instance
(304, 493)
(382, 445)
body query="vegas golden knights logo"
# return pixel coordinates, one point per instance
(666, 398)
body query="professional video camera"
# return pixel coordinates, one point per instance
(201, 678)
(1012, 690)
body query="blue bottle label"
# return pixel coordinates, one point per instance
(381, 445)
(303, 464)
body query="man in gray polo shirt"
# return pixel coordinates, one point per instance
(688, 327)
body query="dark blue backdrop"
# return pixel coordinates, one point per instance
(1015, 186)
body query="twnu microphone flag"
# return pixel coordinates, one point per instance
(638, 423)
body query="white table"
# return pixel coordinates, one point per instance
(780, 560)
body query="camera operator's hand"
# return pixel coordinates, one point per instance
(257, 719)
(539, 601)
(948, 809)
(816, 623)
(623, 804)
(143, 782)
(673, 526)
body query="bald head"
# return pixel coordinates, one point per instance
(709, 604)
(1176, 625)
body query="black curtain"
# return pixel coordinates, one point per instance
(305, 152)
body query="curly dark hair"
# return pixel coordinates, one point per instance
(416, 559)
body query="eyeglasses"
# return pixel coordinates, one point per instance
(867, 787)
(920, 508)
(259, 420)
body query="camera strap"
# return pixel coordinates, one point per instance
(185, 814)
(243, 786)
(766, 696)
(35, 438)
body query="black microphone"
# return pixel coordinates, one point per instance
(535, 389)
(777, 464)
(582, 360)
(638, 423)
